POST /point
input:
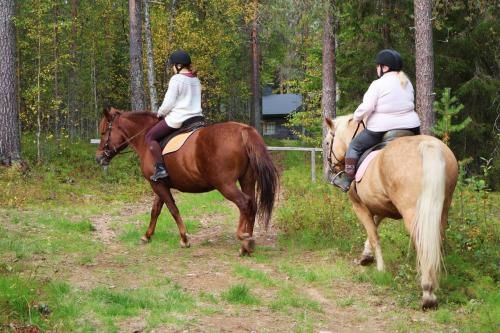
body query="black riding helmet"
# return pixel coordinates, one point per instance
(180, 57)
(391, 59)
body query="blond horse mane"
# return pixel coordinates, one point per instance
(342, 123)
(341, 129)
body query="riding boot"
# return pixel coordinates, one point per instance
(160, 172)
(344, 180)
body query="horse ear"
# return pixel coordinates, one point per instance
(107, 112)
(329, 123)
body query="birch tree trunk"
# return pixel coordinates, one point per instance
(138, 100)
(72, 117)
(151, 65)
(424, 62)
(56, 72)
(256, 103)
(170, 31)
(10, 141)
(93, 78)
(38, 93)
(328, 99)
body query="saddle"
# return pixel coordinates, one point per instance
(174, 141)
(371, 152)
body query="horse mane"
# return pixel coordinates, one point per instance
(138, 114)
(342, 122)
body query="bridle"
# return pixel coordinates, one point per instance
(110, 152)
(331, 164)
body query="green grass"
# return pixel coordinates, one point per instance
(240, 294)
(345, 302)
(288, 298)
(254, 274)
(46, 230)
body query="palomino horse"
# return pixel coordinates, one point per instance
(412, 178)
(214, 157)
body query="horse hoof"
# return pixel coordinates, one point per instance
(243, 253)
(366, 260)
(144, 240)
(185, 245)
(248, 245)
(429, 303)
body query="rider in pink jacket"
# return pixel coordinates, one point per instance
(388, 104)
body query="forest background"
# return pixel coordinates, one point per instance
(73, 58)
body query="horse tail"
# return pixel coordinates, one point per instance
(427, 224)
(265, 173)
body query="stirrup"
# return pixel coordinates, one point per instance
(343, 184)
(160, 173)
(335, 176)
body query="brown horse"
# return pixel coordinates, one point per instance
(411, 178)
(214, 157)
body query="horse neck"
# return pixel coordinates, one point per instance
(136, 127)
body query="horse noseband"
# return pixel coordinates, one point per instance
(109, 153)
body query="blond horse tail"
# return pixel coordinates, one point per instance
(427, 224)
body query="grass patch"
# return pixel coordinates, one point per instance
(299, 272)
(374, 276)
(289, 298)
(443, 316)
(345, 302)
(255, 275)
(208, 297)
(240, 294)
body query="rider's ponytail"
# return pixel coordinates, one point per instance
(403, 79)
(193, 70)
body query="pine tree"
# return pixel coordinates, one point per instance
(448, 108)
(10, 147)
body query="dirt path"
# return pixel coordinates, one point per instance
(209, 268)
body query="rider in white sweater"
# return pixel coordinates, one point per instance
(388, 104)
(182, 101)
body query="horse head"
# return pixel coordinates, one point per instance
(340, 133)
(113, 139)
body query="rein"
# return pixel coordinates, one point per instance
(331, 164)
(110, 153)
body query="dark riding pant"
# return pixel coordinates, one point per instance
(155, 135)
(367, 139)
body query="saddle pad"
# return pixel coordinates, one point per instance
(364, 165)
(176, 142)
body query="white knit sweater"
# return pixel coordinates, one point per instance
(182, 100)
(388, 105)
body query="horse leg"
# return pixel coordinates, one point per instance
(245, 205)
(248, 187)
(368, 222)
(155, 212)
(166, 196)
(367, 257)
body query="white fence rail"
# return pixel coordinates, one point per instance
(308, 149)
(313, 156)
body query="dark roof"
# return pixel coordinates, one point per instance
(280, 104)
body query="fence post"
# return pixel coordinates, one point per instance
(313, 165)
